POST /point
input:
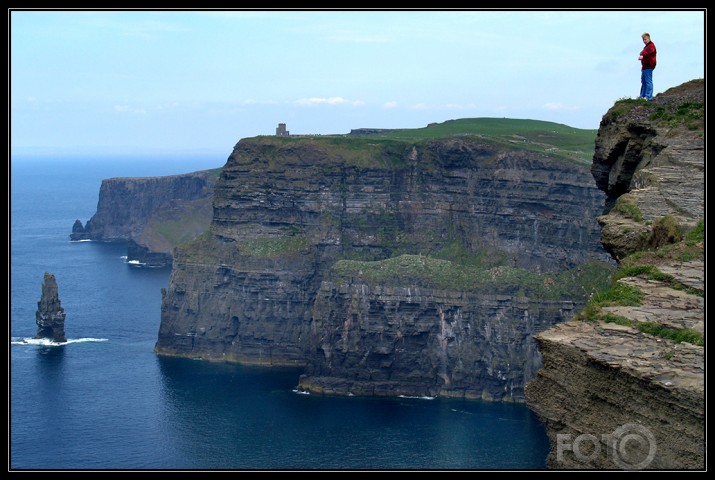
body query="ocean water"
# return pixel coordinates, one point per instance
(104, 400)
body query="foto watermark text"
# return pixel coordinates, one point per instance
(630, 446)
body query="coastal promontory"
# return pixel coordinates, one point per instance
(152, 214)
(400, 262)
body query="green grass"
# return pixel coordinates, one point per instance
(678, 335)
(697, 234)
(689, 247)
(689, 114)
(204, 249)
(624, 105)
(457, 253)
(392, 147)
(693, 244)
(180, 231)
(430, 272)
(628, 209)
(619, 294)
(207, 249)
(329, 152)
(274, 247)
(614, 294)
(651, 272)
(617, 319)
(690, 253)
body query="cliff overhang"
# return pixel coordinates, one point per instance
(631, 365)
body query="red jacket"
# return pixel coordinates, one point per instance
(648, 54)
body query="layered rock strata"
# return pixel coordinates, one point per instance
(260, 287)
(632, 399)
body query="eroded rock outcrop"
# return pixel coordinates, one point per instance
(79, 232)
(628, 380)
(649, 160)
(260, 286)
(50, 316)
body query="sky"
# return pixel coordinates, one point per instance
(189, 82)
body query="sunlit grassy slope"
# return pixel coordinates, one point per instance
(551, 138)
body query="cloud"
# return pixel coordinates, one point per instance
(390, 104)
(560, 106)
(251, 101)
(328, 101)
(460, 106)
(443, 106)
(128, 109)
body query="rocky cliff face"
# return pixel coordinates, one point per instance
(268, 285)
(385, 340)
(50, 316)
(154, 214)
(649, 161)
(627, 380)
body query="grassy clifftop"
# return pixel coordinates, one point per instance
(553, 139)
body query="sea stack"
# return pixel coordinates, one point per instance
(50, 316)
(79, 232)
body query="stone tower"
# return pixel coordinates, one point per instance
(281, 130)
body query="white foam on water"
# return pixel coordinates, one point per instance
(80, 241)
(46, 342)
(300, 392)
(425, 397)
(135, 262)
(123, 257)
(461, 411)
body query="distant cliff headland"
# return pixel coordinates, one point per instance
(400, 262)
(629, 371)
(153, 214)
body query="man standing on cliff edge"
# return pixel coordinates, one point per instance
(647, 58)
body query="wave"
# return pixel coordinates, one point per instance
(136, 262)
(46, 342)
(80, 241)
(123, 257)
(423, 397)
(461, 411)
(300, 392)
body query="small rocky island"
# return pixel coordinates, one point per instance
(50, 316)
(79, 232)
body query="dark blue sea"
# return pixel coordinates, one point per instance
(104, 400)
